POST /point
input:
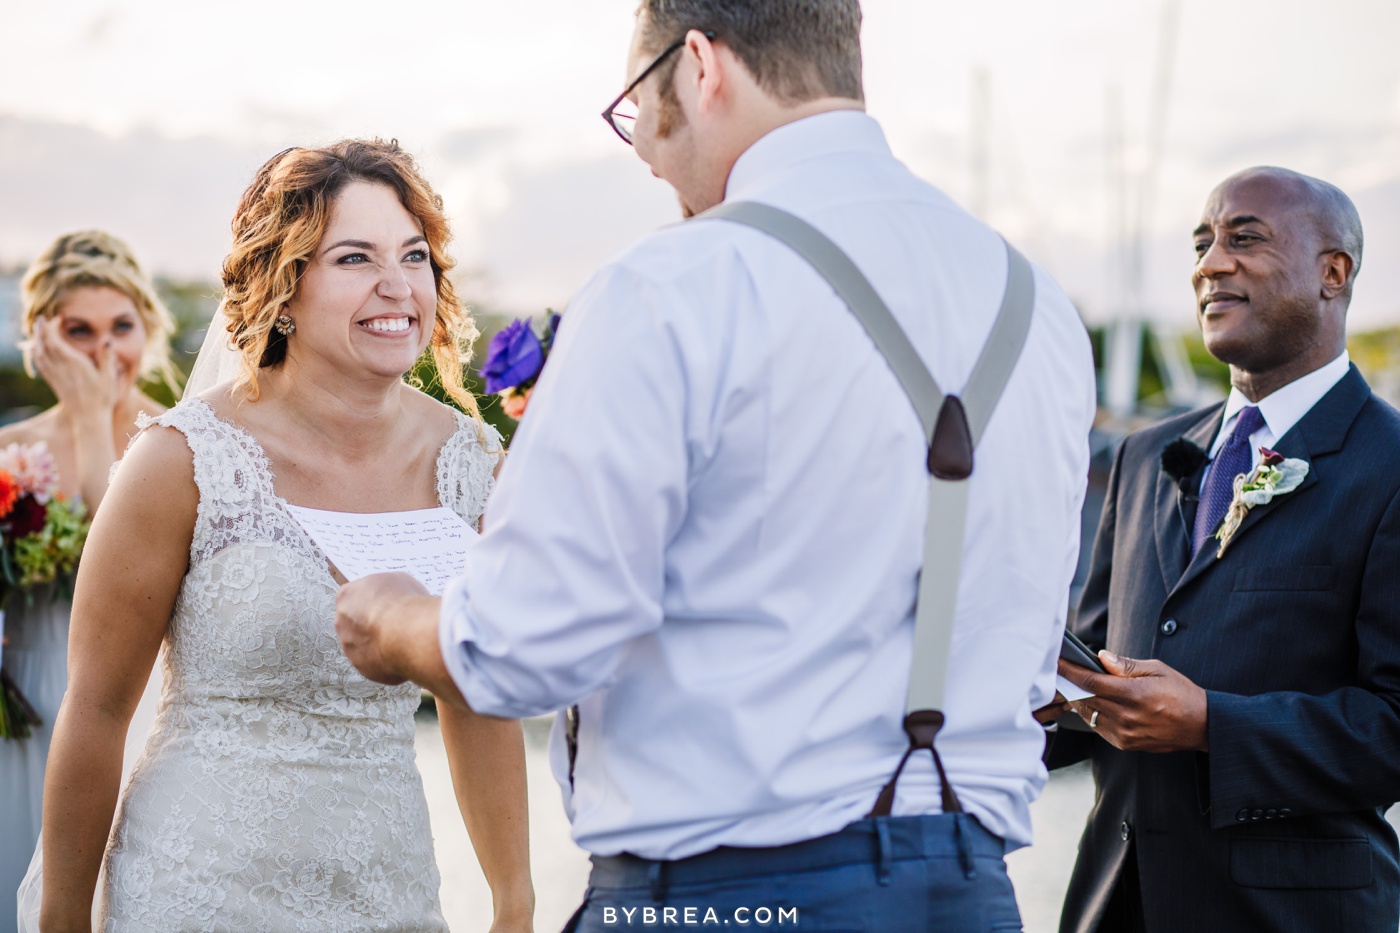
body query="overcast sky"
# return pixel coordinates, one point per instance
(149, 117)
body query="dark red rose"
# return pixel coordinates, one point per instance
(1269, 457)
(28, 517)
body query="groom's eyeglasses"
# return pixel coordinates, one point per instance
(622, 113)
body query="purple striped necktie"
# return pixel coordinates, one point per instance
(1235, 457)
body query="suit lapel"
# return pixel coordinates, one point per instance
(1320, 433)
(1173, 517)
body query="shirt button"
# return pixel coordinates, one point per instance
(1285, 813)
(1169, 627)
(1242, 815)
(1125, 831)
(1270, 814)
(1256, 815)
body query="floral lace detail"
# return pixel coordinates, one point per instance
(278, 789)
(466, 470)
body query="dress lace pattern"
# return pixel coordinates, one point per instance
(278, 788)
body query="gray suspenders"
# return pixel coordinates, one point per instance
(953, 425)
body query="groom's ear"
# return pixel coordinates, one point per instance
(706, 66)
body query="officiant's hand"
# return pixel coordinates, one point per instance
(1141, 705)
(364, 612)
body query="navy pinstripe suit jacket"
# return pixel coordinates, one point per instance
(1295, 634)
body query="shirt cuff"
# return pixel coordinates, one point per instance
(456, 634)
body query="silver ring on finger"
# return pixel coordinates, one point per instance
(1094, 719)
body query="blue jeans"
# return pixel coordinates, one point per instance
(882, 875)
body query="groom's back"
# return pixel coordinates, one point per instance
(794, 572)
(763, 705)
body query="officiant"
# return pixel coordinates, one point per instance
(1248, 731)
(710, 529)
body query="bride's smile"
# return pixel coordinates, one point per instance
(388, 324)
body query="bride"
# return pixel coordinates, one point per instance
(277, 789)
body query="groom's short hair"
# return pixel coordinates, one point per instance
(797, 50)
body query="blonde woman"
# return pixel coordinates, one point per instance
(278, 789)
(94, 329)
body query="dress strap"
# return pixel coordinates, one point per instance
(231, 474)
(464, 477)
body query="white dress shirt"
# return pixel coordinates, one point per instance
(709, 529)
(1282, 409)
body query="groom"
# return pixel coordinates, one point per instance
(709, 532)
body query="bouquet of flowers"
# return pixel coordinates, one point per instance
(41, 537)
(514, 361)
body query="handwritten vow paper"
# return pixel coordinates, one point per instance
(1071, 691)
(428, 544)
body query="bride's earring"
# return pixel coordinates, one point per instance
(284, 325)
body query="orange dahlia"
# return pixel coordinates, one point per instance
(9, 492)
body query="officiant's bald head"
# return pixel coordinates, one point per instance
(1316, 209)
(1277, 254)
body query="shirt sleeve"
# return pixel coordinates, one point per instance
(569, 571)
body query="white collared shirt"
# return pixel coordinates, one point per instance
(709, 529)
(1282, 409)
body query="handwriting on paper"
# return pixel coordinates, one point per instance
(428, 544)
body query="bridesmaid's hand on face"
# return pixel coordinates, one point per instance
(85, 387)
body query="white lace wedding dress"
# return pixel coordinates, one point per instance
(278, 789)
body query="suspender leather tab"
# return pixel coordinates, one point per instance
(950, 451)
(922, 726)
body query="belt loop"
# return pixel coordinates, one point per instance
(656, 877)
(964, 846)
(885, 853)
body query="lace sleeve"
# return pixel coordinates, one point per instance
(226, 473)
(467, 468)
(143, 421)
(181, 419)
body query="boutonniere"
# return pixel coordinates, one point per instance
(1181, 459)
(1274, 476)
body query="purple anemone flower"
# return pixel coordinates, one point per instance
(514, 357)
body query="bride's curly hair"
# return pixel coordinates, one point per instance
(280, 222)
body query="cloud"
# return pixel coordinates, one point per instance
(557, 224)
(172, 199)
(99, 28)
(472, 143)
(532, 242)
(532, 231)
